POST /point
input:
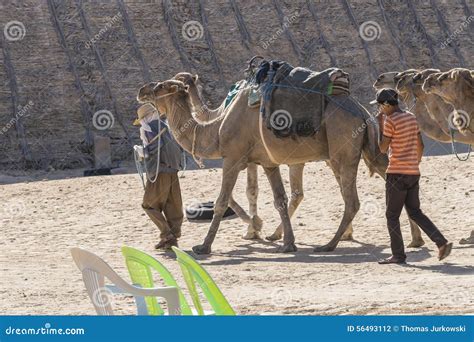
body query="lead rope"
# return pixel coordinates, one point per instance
(157, 170)
(454, 147)
(196, 159)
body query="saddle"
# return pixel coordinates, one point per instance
(294, 98)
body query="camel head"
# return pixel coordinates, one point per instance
(161, 94)
(385, 80)
(409, 82)
(452, 85)
(186, 77)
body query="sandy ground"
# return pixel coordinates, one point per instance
(42, 220)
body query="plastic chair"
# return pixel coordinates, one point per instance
(140, 266)
(192, 273)
(95, 270)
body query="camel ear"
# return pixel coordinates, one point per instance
(195, 78)
(417, 76)
(466, 76)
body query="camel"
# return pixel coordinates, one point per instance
(426, 123)
(237, 144)
(439, 110)
(455, 87)
(431, 111)
(204, 113)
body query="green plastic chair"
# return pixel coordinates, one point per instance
(140, 266)
(192, 273)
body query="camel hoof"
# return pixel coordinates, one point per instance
(416, 244)
(288, 248)
(468, 241)
(273, 237)
(325, 248)
(251, 236)
(347, 237)
(202, 249)
(257, 223)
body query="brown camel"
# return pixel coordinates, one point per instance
(204, 113)
(456, 87)
(431, 111)
(439, 110)
(426, 123)
(226, 137)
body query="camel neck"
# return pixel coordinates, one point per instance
(203, 112)
(193, 136)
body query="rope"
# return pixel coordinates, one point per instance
(196, 159)
(157, 156)
(454, 147)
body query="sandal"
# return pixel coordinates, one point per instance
(445, 250)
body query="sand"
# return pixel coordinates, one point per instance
(42, 220)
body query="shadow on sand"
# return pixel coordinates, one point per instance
(358, 253)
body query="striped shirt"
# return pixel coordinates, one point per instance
(402, 128)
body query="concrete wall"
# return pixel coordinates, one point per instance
(53, 80)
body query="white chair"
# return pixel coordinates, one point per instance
(95, 270)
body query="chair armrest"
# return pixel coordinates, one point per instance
(142, 309)
(170, 294)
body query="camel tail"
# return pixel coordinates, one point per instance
(375, 160)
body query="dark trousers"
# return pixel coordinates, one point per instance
(404, 190)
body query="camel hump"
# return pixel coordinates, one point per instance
(294, 98)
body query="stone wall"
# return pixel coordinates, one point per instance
(64, 61)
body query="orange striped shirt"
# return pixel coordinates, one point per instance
(402, 128)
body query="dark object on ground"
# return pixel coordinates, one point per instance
(98, 172)
(203, 212)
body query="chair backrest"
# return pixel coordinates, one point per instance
(140, 266)
(194, 273)
(94, 271)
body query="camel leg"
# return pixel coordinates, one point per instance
(348, 175)
(416, 239)
(231, 170)
(255, 225)
(469, 240)
(296, 186)
(281, 204)
(239, 211)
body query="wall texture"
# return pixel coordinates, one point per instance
(63, 61)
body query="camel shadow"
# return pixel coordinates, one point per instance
(247, 252)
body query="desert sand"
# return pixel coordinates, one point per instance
(42, 220)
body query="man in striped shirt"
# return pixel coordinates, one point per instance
(400, 137)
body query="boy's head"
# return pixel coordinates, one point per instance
(387, 99)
